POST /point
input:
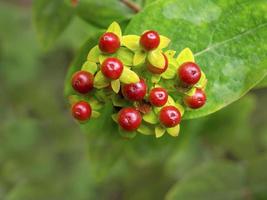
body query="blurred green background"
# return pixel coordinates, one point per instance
(45, 156)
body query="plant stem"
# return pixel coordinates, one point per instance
(133, 6)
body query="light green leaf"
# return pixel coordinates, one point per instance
(118, 101)
(145, 129)
(155, 78)
(174, 131)
(159, 131)
(95, 104)
(156, 58)
(116, 29)
(139, 57)
(179, 107)
(185, 55)
(95, 114)
(126, 56)
(93, 55)
(128, 76)
(191, 92)
(131, 42)
(170, 53)
(164, 42)
(115, 85)
(202, 83)
(101, 81)
(127, 134)
(115, 117)
(228, 43)
(171, 71)
(90, 67)
(150, 117)
(103, 57)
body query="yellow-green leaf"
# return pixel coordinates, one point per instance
(73, 99)
(170, 73)
(128, 76)
(150, 117)
(115, 28)
(94, 54)
(202, 83)
(191, 92)
(170, 53)
(95, 114)
(101, 81)
(159, 131)
(115, 85)
(103, 57)
(139, 58)
(179, 107)
(156, 59)
(118, 101)
(155, 78)
(126, 56)
(174, 131)
(186, 55)
(131, 42)
(115, 117)
(90, 67)
(164, 42)
(95, 104)
(145, 130)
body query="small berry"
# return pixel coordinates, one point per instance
(129, 119)
(109, 43)
(189, 73)
(82, 82)
(112, 68)
(81, 111)
(135, 91)
(170, 116)
(156, 70)
(158, 97)
(197, 100)
(150, 40)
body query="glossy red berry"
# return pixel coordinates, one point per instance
(189, 73)
(129, 119)
(135, 91)
(197, 100)
(109, 43)
(81, 111)
(150, 40)
(169, 116)
(82, 82)
(158, 97)
(156, 70)
(112, 68)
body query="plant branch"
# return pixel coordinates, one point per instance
(133, 6)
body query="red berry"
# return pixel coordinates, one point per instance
(158, 97)
(169, 116)
(129, 119)
(135, 91)
(156, 70)
(81, 111)
(189, 73)
(150, 40)
(197, 100)
(112, 68)
(109, 43)
(82, 82)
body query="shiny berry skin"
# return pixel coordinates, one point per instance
(158, 97)
(170, 116)
(112, 68)
(197, 100)
(150, 40)
(155, 70)
(135, 91)
(82, 82)
(189, 73)
(81, 111)
(129, 119)
(109, 43)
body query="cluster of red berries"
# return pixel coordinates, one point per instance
(139, 87)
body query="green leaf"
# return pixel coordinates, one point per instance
(95, 114)
(126, 56)
(102, 13)
(101, 81)
(139, 58)
(128, 76)
(159, 131)
(131, 42)
(228, 39)
(90, 67)
(156, 59)
(145, 129)
(116, 29)
(174, 131)
(127, 134)
(155, 78)
(171, 71)
(164, 42)
(115, 117)
(51, 18)
(150, 117)
(93, 55)
(185, 55)
(115, 85)
(262, 84)
(202, 83)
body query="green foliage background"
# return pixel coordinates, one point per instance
(44, 154)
